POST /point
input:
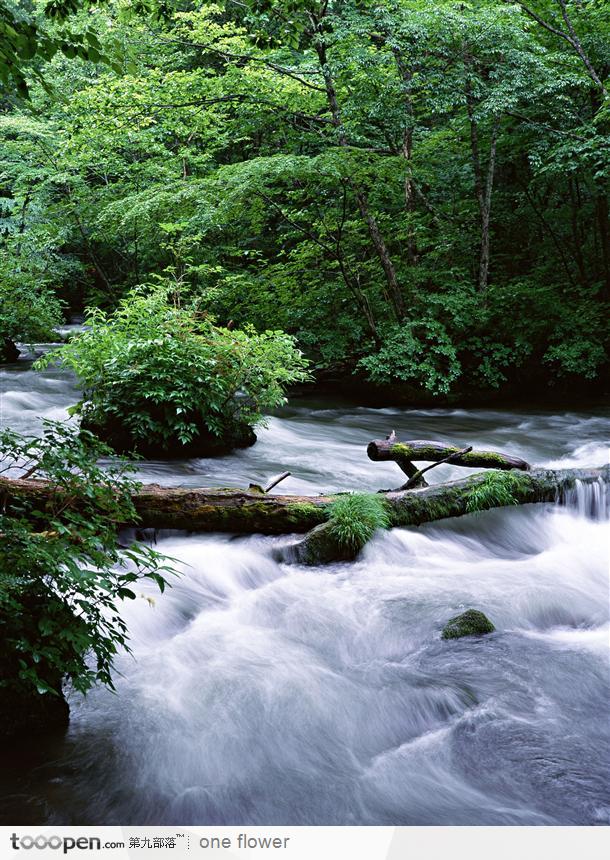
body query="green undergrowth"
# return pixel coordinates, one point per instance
(354, 518)
(495, 490)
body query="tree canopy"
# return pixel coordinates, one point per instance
(415, 191)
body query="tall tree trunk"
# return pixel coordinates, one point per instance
(394, 291)
(407, 153)
(483, 188)
(601, 210)
(335, 252)
(549, 229)
(22, 222)
(387, 265)
(486, 211)
(577, 45)
(601, 213)
(574, 207)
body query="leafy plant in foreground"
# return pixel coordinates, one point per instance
(63, 572)
(354, 519)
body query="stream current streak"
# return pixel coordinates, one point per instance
(266, 694)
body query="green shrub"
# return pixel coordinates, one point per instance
(353, 519)
(421, 354)
(28, 312)
(167, 375)
(62, 570)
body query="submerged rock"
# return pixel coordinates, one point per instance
(469, 623)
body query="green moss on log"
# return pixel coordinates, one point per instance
(497, 489)
(354, 519)
(474, 459)
(241, 511)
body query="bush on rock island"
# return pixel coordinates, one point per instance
(162, 380)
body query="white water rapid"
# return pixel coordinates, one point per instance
(261, 693)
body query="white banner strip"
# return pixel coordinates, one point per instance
(305, 843)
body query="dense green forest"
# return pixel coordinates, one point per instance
(417, 192)
(395, 203)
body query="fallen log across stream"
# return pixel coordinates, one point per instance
(253, 511)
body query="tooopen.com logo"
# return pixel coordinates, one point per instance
(63, 843)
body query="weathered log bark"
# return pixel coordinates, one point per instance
(453, 498)
(383, 450)
(206, 509)
(247, 512)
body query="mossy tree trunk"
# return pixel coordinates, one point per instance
(390, 449)
(252, 511)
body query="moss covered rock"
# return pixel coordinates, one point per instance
(469, 623)
(320, 546)
(205, 444)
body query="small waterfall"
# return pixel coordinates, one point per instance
(588, 498)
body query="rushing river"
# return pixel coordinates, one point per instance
(260, 693)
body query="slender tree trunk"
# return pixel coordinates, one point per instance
(474, 149)
(67, 193)
(601, 214)
(383, 254)
(136, 254)
(361, 299)
(554, 237)
(577, 45)
(601, 209)
(336, 253)
(90, 253)
(394, 291)
(483, 188)
(571, 37)
(362, 302)
(407, 153)
(574, 206)
(486, 211)
(22, 222)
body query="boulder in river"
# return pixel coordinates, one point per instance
(469, 623)
(204, 444)
(319, 546)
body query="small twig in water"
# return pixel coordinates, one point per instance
(276, 481)
(450, 459)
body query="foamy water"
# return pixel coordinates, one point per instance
(261, 693)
